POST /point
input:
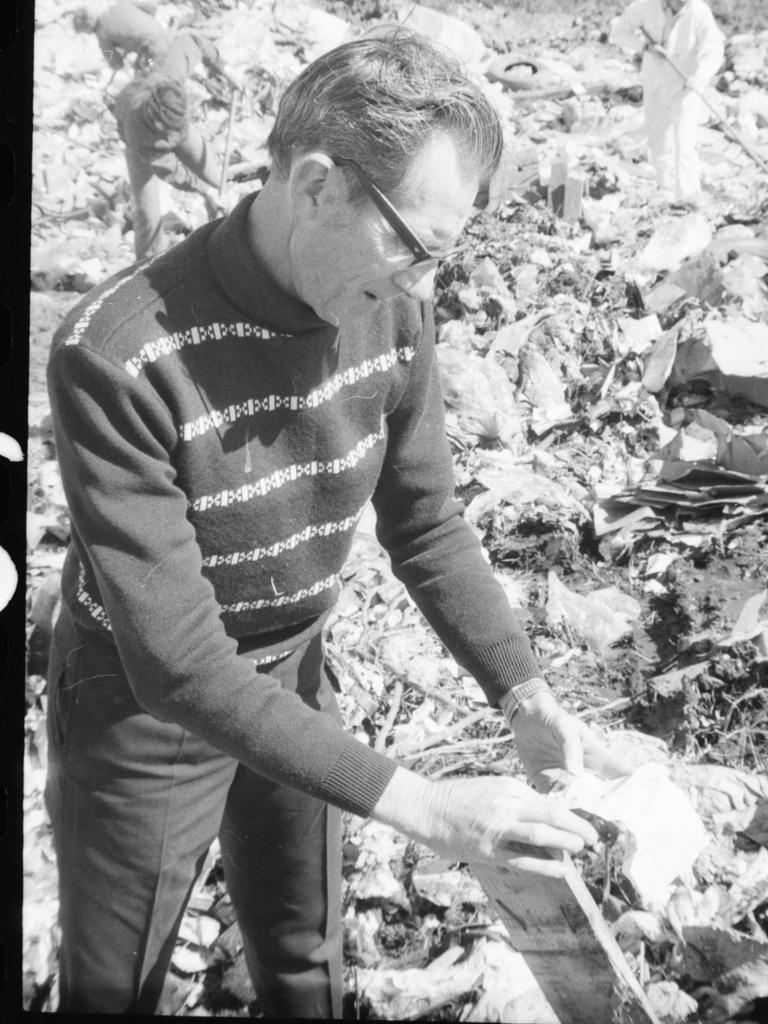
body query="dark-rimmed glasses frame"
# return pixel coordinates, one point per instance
(407, 236)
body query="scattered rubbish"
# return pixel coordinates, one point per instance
(670, 1003)
(697, 277)
(453, 33)
(379, 847)
(675, 240)
(565, 189)
(649, 808)
(694, 486)
(517, 71)
(480, 395)
(731, 354)
(438, 881)
(711, 951)
(659, 361)
(542, 387)
(757, 828)
(601, 618)
(637, 335)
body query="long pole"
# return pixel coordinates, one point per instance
(729, 131)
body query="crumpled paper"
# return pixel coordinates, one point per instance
(600, 618)
(510, 992)
(675, 240)
(661, 832)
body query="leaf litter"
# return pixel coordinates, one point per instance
(606, 385)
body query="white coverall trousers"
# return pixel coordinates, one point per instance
(672, 117)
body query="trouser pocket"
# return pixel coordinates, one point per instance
(64, 661)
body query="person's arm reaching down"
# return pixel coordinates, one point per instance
(493, 820)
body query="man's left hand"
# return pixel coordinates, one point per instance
(553, 744)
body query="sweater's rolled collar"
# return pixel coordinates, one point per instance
(248, 283)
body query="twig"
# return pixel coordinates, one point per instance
(453, 748)
(442, 698)
(451, 730)
(753, 692)
(392, 714)
(228, 143)
(614, 705)
(437, 695)
(439, 1004)
(457, 766)
(82, 213)
(358, 691)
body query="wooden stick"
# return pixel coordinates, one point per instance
(394, 710)
(228, 143)
(558, 929)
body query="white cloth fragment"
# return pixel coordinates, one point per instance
(480, 393)
(675, 240)
(670, 1004)
(662, 835)
(373, 877)
(518, 486)
(453, 33)
(637, 335)
(738, 346)
(636, 926)
(600, 618)
(510, 992)
(540, 385)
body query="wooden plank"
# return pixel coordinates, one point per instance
(559, 930)
(556, 188)
(574, 193)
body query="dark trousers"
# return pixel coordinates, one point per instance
(135, 803)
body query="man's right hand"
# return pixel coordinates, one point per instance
(490, 819)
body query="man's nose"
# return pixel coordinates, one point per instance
(418, 280)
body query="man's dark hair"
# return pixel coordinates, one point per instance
(378, 101)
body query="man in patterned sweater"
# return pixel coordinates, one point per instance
(223, 413)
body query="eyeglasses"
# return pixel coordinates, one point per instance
(407, 236)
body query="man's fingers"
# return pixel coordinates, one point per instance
(599, 760)
(550, 824)
(539, 836)
(549, 778)
(548, 867)
(567, 731)
(551, 864)
(615, 767)
(573, 754)
(566, 823)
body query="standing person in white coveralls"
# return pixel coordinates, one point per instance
(687, 31)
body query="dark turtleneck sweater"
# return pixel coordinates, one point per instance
(218, 443)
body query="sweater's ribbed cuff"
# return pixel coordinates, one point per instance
(358, 778)
(502, 665)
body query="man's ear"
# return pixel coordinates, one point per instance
(309, 182)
